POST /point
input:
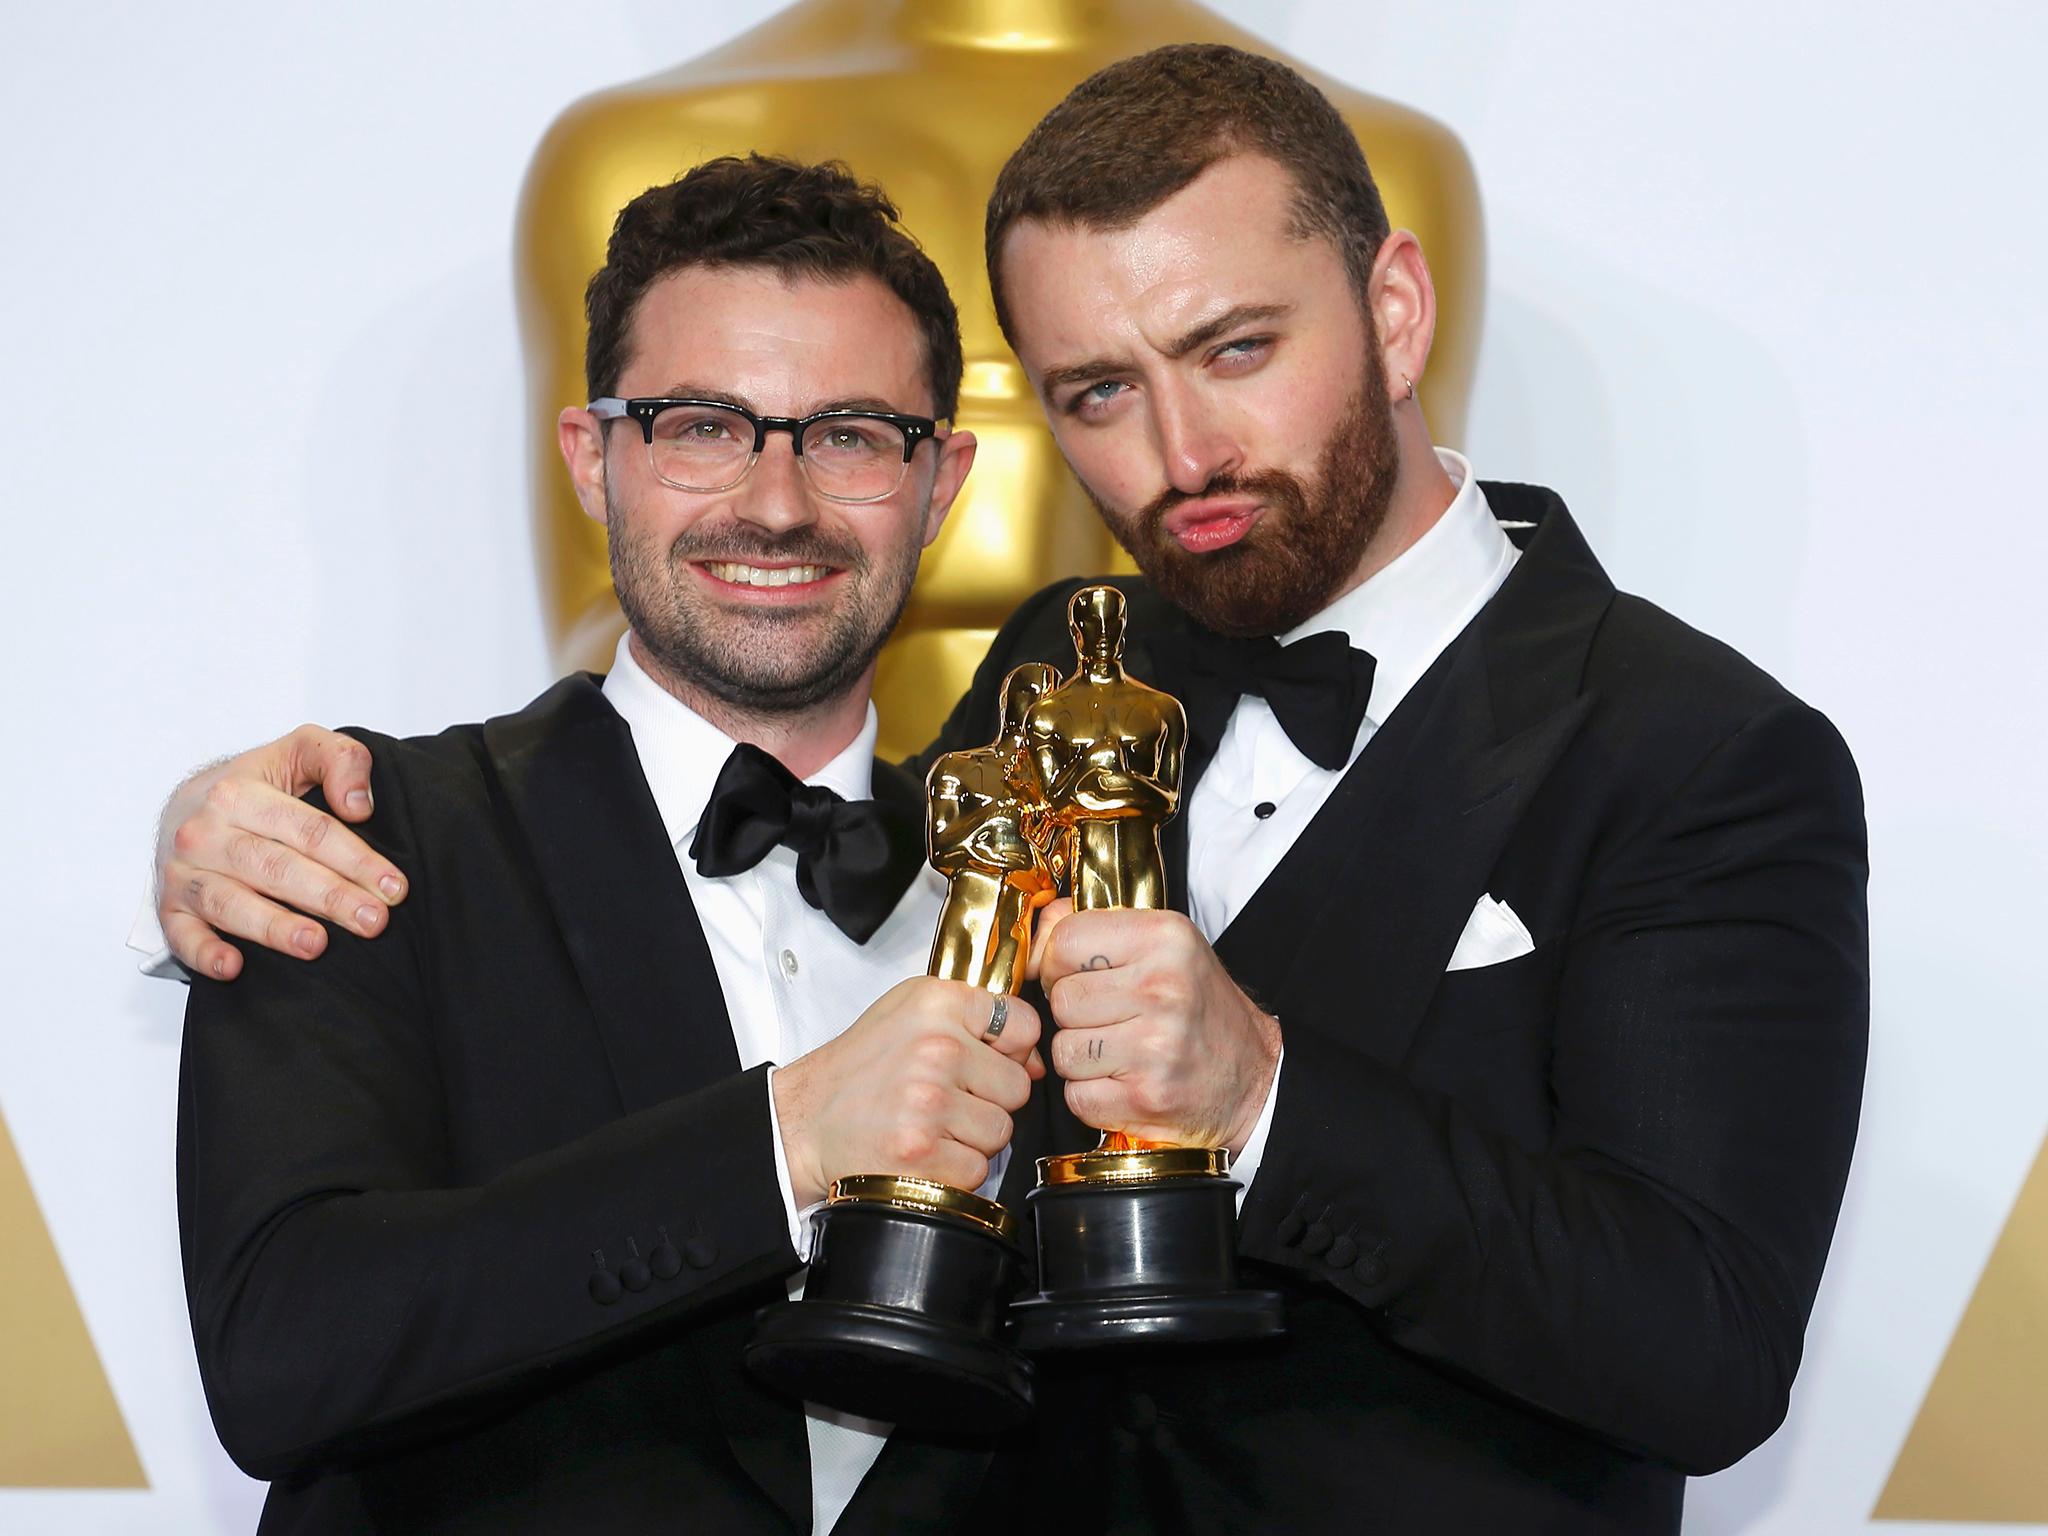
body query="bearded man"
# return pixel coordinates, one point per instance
(1522, 957)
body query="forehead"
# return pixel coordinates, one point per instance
(1222, 240)
(784, 344)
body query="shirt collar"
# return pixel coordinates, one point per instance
(1404, 614)
(681, 752)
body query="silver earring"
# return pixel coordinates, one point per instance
(1411, 385)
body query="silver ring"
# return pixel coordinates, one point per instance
(998, 1016)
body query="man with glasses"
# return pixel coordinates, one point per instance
(475, 1217)
(1525, 957)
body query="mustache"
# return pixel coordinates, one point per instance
(1268, 485)
(746, 546)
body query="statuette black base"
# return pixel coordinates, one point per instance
(899, 1321)
(1126, 1261)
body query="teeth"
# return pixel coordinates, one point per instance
(755, 576)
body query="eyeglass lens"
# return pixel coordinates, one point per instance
(706, 448)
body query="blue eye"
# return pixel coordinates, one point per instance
(1098, 393)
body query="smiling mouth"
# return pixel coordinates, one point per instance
(740, 574)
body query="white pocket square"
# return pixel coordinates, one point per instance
(1492, 934)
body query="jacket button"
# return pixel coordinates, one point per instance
(1289, 1231)
(662, 1258)
(700, 1253)
(1369, 1270)
(1316, 1239)
(605, 1288)
(1342, 1252)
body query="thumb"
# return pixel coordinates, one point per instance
(1050, 917)
(338, 765)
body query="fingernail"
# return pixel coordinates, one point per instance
(306, 941)
(392, 886)
(359, 799)
(220, 966)
(367, 915)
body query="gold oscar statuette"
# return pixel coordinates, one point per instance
(1135, 1238)
(909, 1278)
(989, 835)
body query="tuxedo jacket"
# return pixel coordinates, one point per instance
(475, 1217)
(1549, 1230)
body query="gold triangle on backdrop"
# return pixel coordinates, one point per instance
(1976, 1451)
(59, 1424)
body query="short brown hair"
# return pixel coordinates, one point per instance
(764, 211)
(1130, 136)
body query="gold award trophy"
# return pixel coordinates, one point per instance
(908, 1278)
(1136, 1240)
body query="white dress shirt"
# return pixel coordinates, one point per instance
(792, 981)
(1403, 615)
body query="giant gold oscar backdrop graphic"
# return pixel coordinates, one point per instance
(929, 99)
(59, 1424)
(1979, 1448)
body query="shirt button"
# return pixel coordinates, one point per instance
(789, 962)
(1264, 809)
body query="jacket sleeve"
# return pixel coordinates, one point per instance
(1649, 1273)
(347, 1295)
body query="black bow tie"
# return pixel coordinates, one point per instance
(854, 858)
(1318, 687)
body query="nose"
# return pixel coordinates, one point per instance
(776, 496)
(1195, 444)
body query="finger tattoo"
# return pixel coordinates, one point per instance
(1095, 1050)
(1097, 963)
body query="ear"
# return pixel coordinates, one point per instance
(1403, 301)
(956, 457)
(581, 436)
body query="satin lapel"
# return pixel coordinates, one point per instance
(1393, 864)
(1155, 666)
(1421, 859)
(567, 766)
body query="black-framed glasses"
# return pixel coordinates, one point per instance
(709, 445)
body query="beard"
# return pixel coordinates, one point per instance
(763, 661)
(1294, 560)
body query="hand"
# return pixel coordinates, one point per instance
(237, 833)
(1151, 1035)
(912, 1087)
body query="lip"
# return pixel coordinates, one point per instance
(1216, 523)
(773, 597)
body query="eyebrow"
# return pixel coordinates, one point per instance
(727, 397)
(1188, 341)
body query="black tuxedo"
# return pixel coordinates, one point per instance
(409, 1173)
(1550, 1229)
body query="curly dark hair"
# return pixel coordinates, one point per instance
(815, 221)
(1134, 133)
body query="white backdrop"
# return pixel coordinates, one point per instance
(1761, 305)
